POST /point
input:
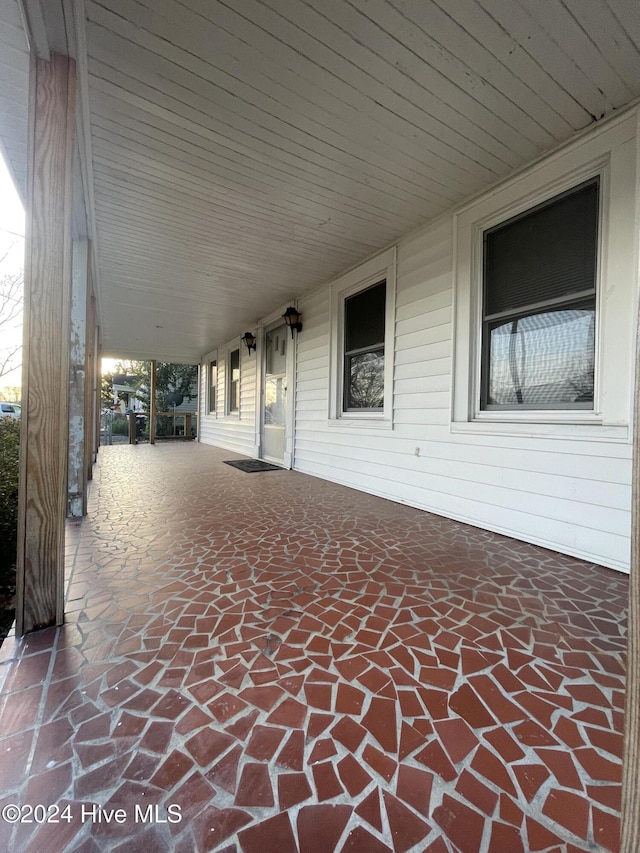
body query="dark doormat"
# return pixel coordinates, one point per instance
(252, 466)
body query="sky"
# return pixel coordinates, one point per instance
(12, 261)
(12, 225)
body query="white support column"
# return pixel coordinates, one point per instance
(76, 485)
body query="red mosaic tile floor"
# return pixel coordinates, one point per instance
(301, 667)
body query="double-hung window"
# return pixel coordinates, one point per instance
(364, 334)
(361, 345)
(545, 272)
(233, 383)
(539, 306)
(213, 386)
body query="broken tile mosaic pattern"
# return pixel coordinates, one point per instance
(302, 667)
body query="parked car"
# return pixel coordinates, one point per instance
(10, 410)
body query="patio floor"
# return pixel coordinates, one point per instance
(299, 666)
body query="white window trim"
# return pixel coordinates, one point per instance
(229, 348)
(605, 155)
(381, 267)
(265, 324)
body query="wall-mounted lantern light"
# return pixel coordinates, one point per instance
(250, 341)
(292, 318)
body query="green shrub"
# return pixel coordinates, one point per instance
(120, 425)
(9, 454)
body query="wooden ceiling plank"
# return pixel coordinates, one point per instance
(166, 261)
(493, 31)
(486, 72)
(253, 67)
(148, 124)
(455, 153)
(540, 45)
(220, 245)
(611, 38)
(317, 39)
(580, 46)
(259, 186)
(206, 160)
(398, 139)
(210, 298)
(299, 213)
(201, 216)
(426, 65)
(626, 13)
(315, 156)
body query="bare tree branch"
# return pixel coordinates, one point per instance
(11, 300)
(6, 360)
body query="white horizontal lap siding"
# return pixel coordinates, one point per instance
(312, 369)
(233, 432)
(569, 495)
(600, 546)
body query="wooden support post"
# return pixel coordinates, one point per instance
(132, 428)
(45, 373)
(152, 403)
(630, 842)
(202, 397)
(77, 477)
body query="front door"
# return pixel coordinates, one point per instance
(274, 399)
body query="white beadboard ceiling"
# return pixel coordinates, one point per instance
(14, 92)
(245, 151)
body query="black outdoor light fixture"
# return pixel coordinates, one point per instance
(250, 340)
(292, 318)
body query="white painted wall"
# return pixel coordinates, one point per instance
(234, 431)
(563, 486)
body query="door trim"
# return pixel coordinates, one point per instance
(267, 324)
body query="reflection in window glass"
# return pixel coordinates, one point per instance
(539, 305)
(275, 399)
(234, 380)
(543, 360)
(365, 380)
(213, 385)
(364, 332)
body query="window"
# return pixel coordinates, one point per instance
(361, 345)
(364, 332)
(213, 386)
(573, 298)
(234, 381)
(539, 304)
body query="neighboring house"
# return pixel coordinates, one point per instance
(481, 368)
(124, 394)
(125, 399)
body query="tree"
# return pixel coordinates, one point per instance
(170, 378)
(174, 378)
(11, 297)
(12, 393)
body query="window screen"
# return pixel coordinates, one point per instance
(234, 380)
(539, 306)
(213, 385)
(364, 325)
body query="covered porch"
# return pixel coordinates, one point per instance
(301, 666)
